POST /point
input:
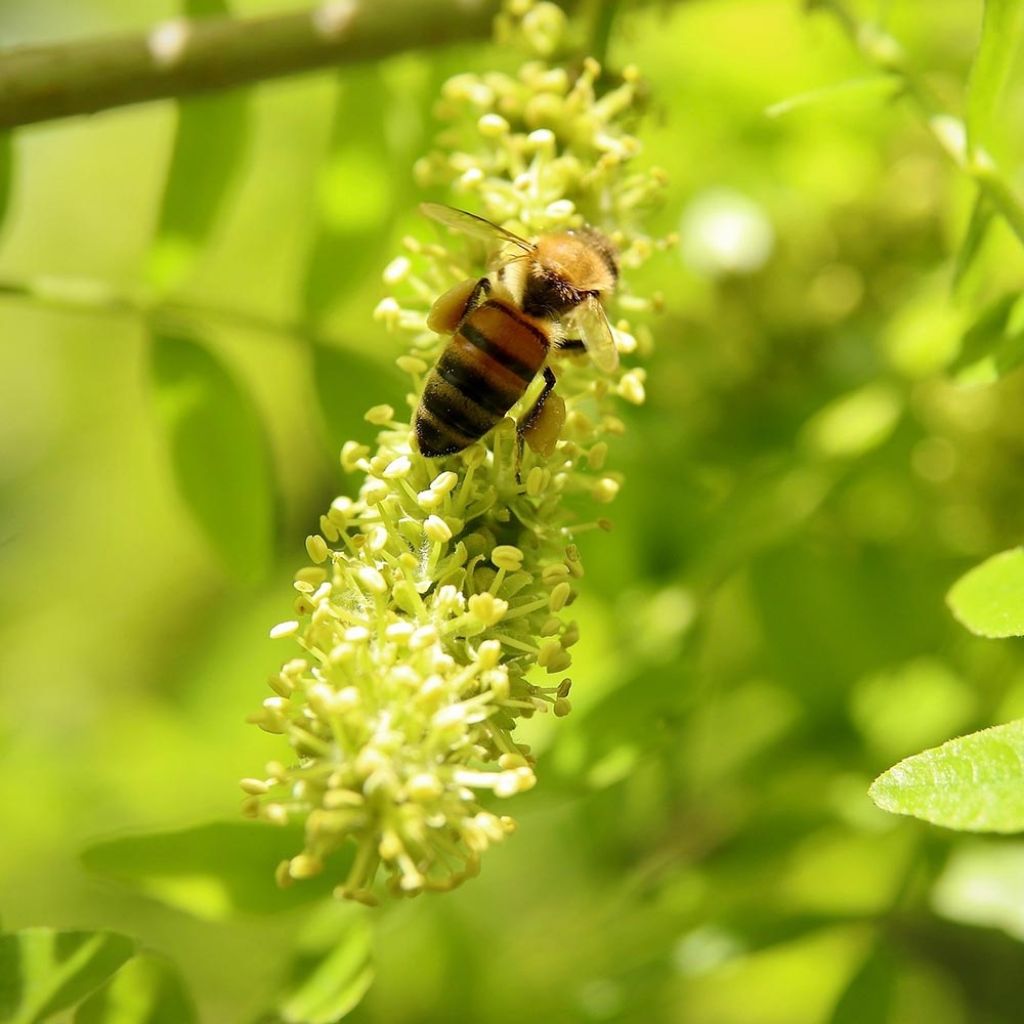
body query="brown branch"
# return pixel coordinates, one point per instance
(182, 57)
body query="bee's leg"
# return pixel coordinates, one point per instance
(541, 426)
(571, 345)
(480, 292)
(451, 308)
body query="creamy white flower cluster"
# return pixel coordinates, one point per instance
(436, 592)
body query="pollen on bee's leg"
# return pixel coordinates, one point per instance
(449, 308)
(542, 426)
(544, 430)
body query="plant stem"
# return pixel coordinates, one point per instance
(185, 56)
(603, 16)
(90, 296)
(182, 56)
(886, 53)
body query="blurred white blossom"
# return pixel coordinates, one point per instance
(724, 232)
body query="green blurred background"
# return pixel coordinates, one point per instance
(762, 634)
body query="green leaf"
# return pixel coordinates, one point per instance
(147, 990)
(917, 704)
(747, 930)
(6, 172)
(210, 142)
(854, 423)
(978, 358)
(214, 871)
(989, 600)
(974, 783)
(875, 87)
(923, 336)
(982, 215)
(868, 997)
(330, 984)
(220, 453)
(204, 8)
(355, 194)
(1001, 28)
(994, 344)
(43, 971)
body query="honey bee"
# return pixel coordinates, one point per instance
(543, 295)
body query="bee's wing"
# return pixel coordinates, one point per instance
(471, 224)
(590, 319)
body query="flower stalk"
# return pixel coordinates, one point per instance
(886, 53)
(436, 611)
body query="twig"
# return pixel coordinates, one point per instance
(604, 15)
(886, 53)
(182, 57)
(93, 297)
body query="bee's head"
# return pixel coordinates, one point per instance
(566, 268)
(598, 261)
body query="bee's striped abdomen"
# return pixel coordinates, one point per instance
(482, 373)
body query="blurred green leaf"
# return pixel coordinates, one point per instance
(982, 214)
(923, 335)
(210, 142)
(902, 709)
(868, 998)
(834, 616)
(355, 194)
(6, 172)
(219, 450)
(989, 600)
(874, 87)
(147, 990)
(1001, 28)
(44, 971)
(752, 929)
(213, 871)
(983, 884)
(974, 783)
(854, 423)
(329, 983)
(204, 8)
(344, 379)
(976, 361)
(872, 865)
